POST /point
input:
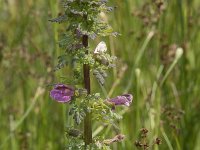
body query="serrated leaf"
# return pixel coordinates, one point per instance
(100, 76)
(59, 19)
(63, 60)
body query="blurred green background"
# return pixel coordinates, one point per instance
(165, 86)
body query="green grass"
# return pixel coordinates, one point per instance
(29, 119)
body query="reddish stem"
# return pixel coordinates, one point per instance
(87, 120)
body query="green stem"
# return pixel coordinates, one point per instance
(87, 120)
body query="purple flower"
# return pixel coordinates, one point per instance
(125, 99)
(62, 93)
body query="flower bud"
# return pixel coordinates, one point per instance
(125, 99)
(179, 53)
(137, 72)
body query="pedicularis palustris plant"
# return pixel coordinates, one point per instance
(83, 23)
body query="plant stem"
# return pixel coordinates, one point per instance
(87, 120)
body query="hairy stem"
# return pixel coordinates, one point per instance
(87, 120)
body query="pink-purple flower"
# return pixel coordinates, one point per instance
(125, 99)
(62, 93)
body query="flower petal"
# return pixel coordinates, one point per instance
(62, 93)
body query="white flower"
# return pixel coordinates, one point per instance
(101, 47)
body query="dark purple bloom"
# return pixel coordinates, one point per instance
(62, 93)
(125, 99)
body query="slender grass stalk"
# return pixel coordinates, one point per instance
(104, 91)
(97, 131)
(12, 137)
(137, 107)
(54, 10)
(117, 80)
(155, 84)
(15, 125)
(138, 58)
(112, 49)
(179, 53)
(181, 17)
(177, 142)
(166, 139)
